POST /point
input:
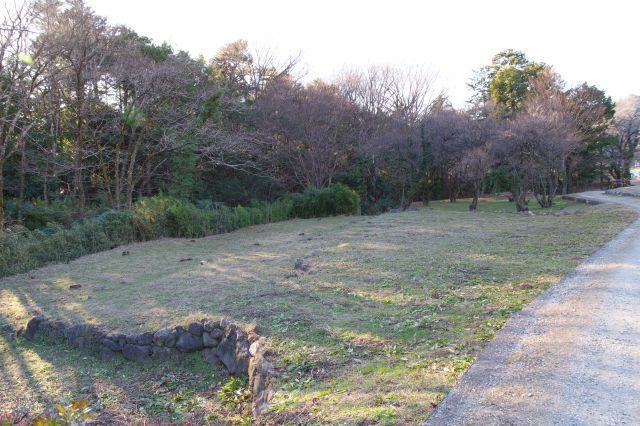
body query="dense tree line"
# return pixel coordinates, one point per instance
(98, 115)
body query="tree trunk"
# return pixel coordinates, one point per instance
(565, 178)
(132, 163)
(520, 198)
(1, 197)
(21, 183)
(474, 202)
(78, 186)
(78, 180)
(147, 177)
(45, 188)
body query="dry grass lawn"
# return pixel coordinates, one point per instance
(391, 311)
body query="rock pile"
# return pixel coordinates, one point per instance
(220, 342)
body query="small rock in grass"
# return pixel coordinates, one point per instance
(75, 286)
(301, 234)
(202, 262)
(185, 259)
(126, 253)
(192, 241)
(256, 244)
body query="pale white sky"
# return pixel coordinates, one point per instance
(593, 41)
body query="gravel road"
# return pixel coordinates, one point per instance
(572, 357)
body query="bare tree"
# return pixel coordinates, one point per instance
(537, 141)
(312, 130)
(244, 73)
(447, 133)
(477, 161)
(625, 127)
(22, 71)
(151, 97)
(80, 43)
(392, 103)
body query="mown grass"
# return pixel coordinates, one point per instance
(392, 310)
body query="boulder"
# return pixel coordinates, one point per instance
(233, 350)
(32, 327)
(57, 328)
(216, 333)
(210, 355)
(75, 335)
(260, 383)
(195, 328)
(106, 354)
(111, 345)
(226, 353)
(137, 352)
(257, 346)
(211, 325)
(187, 342)
(224, 323)
(170, 341)
(242, 356)
(208, 341)
(162, 353)
(161, 336)
(144, 338)
(119, 338)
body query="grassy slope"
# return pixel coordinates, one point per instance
(392, 311)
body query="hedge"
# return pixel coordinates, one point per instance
(160, 216)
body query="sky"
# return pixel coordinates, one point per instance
(592, 41)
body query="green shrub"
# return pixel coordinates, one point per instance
(22, 249)
(334, 200)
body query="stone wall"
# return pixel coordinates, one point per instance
(241, 352)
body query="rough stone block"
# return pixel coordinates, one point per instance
(137, 352)
(195, 328)
(160, 336)
(187, 342)
(208, 341)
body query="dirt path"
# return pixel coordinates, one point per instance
(572, 357)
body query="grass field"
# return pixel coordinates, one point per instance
(392, 310)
